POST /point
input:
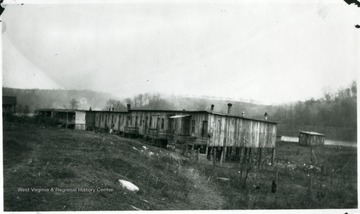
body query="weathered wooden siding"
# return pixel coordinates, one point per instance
(221, 130)
(239, 132)
(217, 128)
(80, 120)
(195, 125)
(90, 120)
(109, 119)
(311, 140)
(146, 120)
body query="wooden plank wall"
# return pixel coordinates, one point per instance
(239, 132)
(157, 116)
(311, 140)
(107, 119)
(224, 131)
(90, 120)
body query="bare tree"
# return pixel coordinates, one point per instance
(128, 101)
(353, 89)
(74, 104)
(115, 104)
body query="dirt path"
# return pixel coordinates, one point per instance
(203, 193)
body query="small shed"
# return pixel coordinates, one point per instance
(308, 138)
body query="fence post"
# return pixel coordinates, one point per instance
(310, 184)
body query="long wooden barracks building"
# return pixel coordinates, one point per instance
(207, 131)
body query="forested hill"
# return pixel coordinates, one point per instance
(30, 99)
(334, 114)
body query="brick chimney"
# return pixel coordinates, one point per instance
(265, 116)
(128, 107)
(212, 107)
(242, 114)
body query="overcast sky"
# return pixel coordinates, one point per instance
(268, 52)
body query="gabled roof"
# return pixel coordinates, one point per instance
(59, 110)
(204, 112)
(312, 133)
(107, 111)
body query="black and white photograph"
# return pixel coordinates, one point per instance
(180, 105)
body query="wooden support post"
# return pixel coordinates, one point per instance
(222, 156)
(273, 156)
(243, 161)
(214, 155)
(239, 154)
(245, 155)
(249, 161)
(226, 151)
(259, 159)
(67, 119)
(247, 164)
(186, 149)
(226, 154)
(230, 153)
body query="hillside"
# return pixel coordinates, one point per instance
(250, 109)
(68, 159)
(335, 115)
(57, 98)
(40, 158)
(32, 99)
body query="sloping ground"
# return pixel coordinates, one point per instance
(75, 162)
(204, 193)
(68, 159)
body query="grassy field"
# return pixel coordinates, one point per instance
(329, 183)
(38, 157)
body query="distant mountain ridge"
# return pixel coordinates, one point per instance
(334, 115)
(56, 98)
(61, 98)
(238, 107)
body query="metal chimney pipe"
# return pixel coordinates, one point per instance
(212, 107)
(128, 107)
(265, 116)
(229, 108)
